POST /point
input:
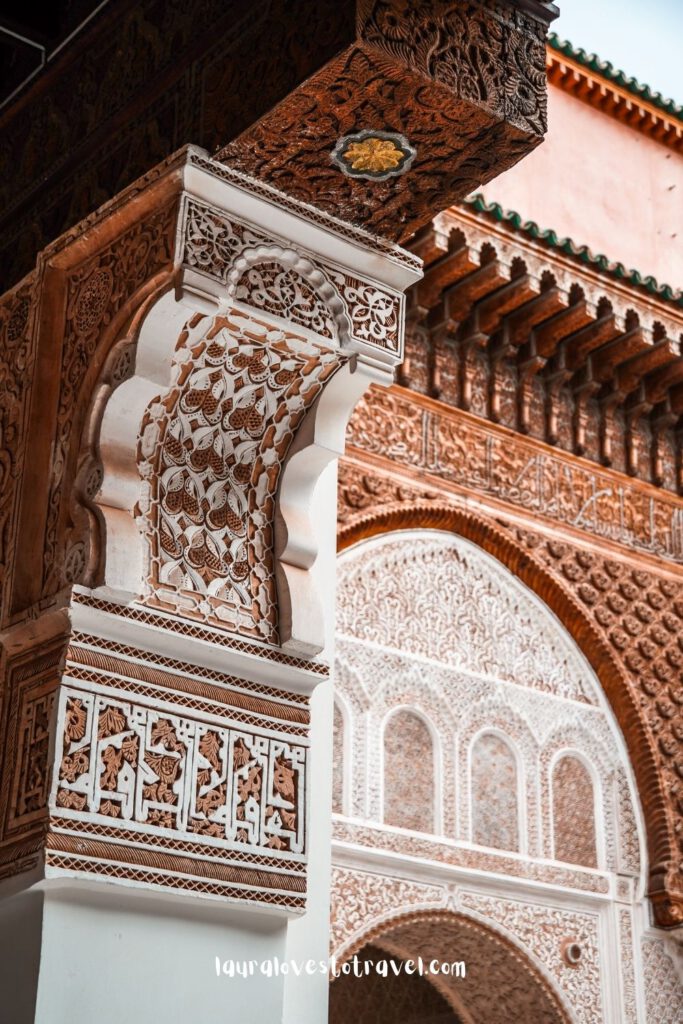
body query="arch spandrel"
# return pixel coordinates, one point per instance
(479, 622)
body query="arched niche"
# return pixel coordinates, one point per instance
(573, 811)
(408, 764)
(494, 793)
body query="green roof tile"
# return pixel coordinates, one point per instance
(578, 252)
(607, 70)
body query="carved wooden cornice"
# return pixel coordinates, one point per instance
(531, 335)
(598, 84)
(462, 82)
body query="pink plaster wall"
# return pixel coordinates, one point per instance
(604, 185)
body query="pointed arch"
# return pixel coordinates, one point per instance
(527, 567)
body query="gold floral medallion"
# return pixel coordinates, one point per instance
(373, 154)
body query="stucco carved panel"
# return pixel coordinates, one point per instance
(663, 969)
(541, 930)
(481, 623)
(462, 704)
(177, 780)
(363, 900)
(210, 453)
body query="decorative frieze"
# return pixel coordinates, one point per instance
(196, 783)
(453, 450)
(458, 855)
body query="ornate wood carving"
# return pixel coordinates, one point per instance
(452, 449)
(541, 343)
(97, 291)
(463, 82)
(17, 363)
(98, 125)
(31, 679)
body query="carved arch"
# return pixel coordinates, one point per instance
(531, 571)
(330, 319)
(578, 742)
(409, 933)
(408, 692)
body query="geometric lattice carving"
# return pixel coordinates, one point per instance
(495, 813)
(663, 970)
(211, 452)
(409, 774)
(573, 813)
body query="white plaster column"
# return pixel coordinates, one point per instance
(188, 698)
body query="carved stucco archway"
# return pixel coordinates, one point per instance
(502, 982)
(523, 563)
